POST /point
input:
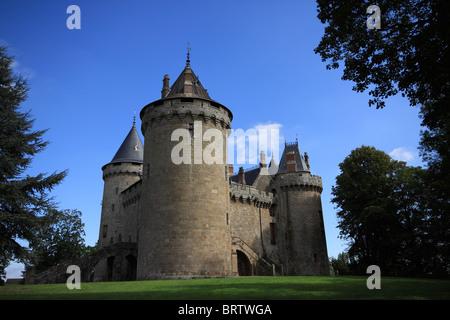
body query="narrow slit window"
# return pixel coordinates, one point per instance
(273, 239)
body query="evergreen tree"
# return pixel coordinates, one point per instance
(25, 205)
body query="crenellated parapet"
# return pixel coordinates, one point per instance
(127, 169)
(251, 195)
(132, 194)
(299, 181)
(181, 109)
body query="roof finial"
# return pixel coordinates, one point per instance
(188, 62)
(134, 118)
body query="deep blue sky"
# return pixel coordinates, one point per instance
(255, 57)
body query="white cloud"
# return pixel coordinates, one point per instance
(4, 43)
(402, 154)
(244, 146)
(269, 125)
(24, 71)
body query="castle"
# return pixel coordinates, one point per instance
(162, 220)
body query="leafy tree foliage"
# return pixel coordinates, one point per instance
(61, 240)
(383, 211)
(409, 54)
(340, 265)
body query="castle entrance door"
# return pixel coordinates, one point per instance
(244, 265)
(110, 268)
(131, 267)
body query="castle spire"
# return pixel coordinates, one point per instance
(132, 148)
(188, 62)
(186, 85)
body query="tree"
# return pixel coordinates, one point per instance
(61, 240)
(395, 58)
(409, 54)
(340, 265)
(383, 212)
(367, 212)
(25, 205)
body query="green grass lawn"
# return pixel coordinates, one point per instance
(267, 288)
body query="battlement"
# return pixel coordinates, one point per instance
(303, 180)
(249, 194)
(122, 168)
(132, 194)
(180, 108)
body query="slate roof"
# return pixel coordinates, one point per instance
(177, 87)
(301, 164)
(250, 176)
(131, 150)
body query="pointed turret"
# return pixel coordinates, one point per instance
(187, 85)
(292, 160)
(302, 219)
(124, 170)
(131, 150)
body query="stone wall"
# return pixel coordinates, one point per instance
(93, 267)
(130, 205)
(250, 219)
(303, 247)
(114, 225)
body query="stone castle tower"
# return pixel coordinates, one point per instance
(183, 227)
(300, 214)
(162, 219)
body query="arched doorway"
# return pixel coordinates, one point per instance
(244, 265)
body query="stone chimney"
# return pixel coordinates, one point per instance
(262, 160)
(263, 164)
(166, 88)
(241, 176)
(291, 164)
(307, 160)
(188, 84)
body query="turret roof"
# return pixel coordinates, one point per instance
(300, 161)
(131, 150)
(188, 77)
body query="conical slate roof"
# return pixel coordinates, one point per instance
(131, 150)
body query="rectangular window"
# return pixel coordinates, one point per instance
(191, 129)
(105, 230)
(273, 234)
(315, 258)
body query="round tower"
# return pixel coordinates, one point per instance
(302, 242)
(183, 221)
(124, 170)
